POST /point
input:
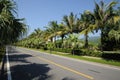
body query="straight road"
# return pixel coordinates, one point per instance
(28, 64)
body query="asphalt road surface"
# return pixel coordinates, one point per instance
(25, 64)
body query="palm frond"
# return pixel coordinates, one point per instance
(111, 4)
(114, 34)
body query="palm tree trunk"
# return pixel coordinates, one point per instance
(86, 40)
(62, 36)
(102, 40)
(51, 39)
(106, 43)
(55, 41)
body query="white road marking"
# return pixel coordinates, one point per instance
(8, 65)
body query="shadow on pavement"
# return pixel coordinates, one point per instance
(66, 78)
(19, 57)
(25, 71)
(30, 72)
(3, 70)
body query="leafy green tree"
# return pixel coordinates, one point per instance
(48, 34)
(70, 23)
(87, 20)
(115, 31)
(10, 27)
(72, 41)
(104, 15)
(62, 31)
(54, 28)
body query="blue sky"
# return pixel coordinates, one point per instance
(38, 13)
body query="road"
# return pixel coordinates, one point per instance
(28, 64)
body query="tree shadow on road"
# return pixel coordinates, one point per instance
(30, 72)
(66, 78)
(19, 57)
(25, 71)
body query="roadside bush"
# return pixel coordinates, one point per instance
(93, 53)
(50, 45)
(45, 48)
(84, 52)
(111, 56)
(63, 50)
(68, 50)
(76, 52)
(58, 44)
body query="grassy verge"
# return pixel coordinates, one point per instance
(103, 61)
(97, 60)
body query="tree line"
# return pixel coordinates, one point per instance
(104, 18)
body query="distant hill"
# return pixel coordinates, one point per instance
(93, 40)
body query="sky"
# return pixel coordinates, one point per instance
(38, 13)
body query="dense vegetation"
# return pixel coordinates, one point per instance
(11, 27)
(64, 37)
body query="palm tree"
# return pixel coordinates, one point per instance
(115, 32)
(37, 33)
(87, 20)
(48, 34)
(10, 27)
(114, 35)
(54, 28)
(62, 31)
(6, 8)
(70, 23)
(104, 14)
(18, 28)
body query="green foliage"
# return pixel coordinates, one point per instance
(64, 50)
(64, 37)
(72, 41)
(94, 53)
(111, 55)
(50, 45)
(106, 19)
(11, 28)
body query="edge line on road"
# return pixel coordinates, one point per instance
(8, 65)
